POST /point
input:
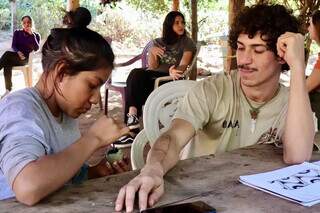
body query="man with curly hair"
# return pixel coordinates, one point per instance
(242, 108)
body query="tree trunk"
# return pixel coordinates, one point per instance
(14, 24)
(194, 29)
(175, 5)
(72, 5)
(234, 7)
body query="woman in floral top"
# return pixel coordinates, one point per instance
(169, 55)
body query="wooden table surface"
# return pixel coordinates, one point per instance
(213, 179)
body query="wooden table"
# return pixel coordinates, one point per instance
(213, 179)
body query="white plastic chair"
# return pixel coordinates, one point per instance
(27, 70)
(137, 148)
(157, 115)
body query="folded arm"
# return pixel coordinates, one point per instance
(299, 128)
(45, 175)
(14, 45)
(36, 43)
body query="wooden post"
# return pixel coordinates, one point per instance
(194, 32)
(72, 5)
(14, 16)
(234, 7)
(194, 20)
(175, 5)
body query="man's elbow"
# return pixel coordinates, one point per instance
(296, 159)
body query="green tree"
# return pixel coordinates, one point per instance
(5, 15)
(164, 6)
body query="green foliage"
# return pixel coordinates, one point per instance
(133, 29)
(314, 48)
(212, 15)
(163, 6)
(159, 6)
(131, 23)
(93, 6)
(5, 15)
(46, 14)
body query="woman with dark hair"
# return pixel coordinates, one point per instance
(81, 17)
(24, 41)
(169, 55)
(313, 81)
(41, 148)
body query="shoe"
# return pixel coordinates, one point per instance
(4, 94)
(124, 141)
(133, 122)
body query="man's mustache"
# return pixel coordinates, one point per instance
(242, 66)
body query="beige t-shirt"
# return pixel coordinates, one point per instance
(218, 110)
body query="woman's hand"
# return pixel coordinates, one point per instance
(21, 55)
(157, 51)
(104, 168)
(121, 165)
(97, 156)
(175, 73)
(106, 130)
(29, 30)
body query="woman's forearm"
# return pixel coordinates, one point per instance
(153, 62)
(313, 81)
(50, 172)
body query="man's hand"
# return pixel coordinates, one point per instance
(175, 73)
(148, 185)
(21, 55)
(290, 47)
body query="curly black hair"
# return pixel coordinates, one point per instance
(270, 20)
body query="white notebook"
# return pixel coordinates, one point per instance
(298, 183)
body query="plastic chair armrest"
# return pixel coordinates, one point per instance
(160, 79)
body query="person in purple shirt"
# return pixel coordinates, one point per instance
(23, 43)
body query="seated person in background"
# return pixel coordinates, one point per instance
(81, 17)
(242, 108)
(169, 55)
(313, 81)
(24, 41)
(41, 148)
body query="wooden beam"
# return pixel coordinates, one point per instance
(194, 20)
(14, 22)
(72, 5)
(175, 5)
(194, 31)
